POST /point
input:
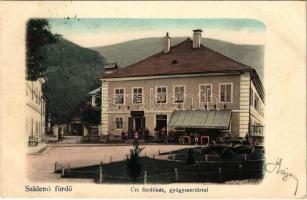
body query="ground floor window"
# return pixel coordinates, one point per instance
(119, 122)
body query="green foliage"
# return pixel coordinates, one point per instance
(190, 160)
(242, 149)
(72, 73)
(38, 35)
(134, 165)
(256, 154)
(90, 116)
(228, 153)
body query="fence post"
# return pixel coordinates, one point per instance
(145, 177)
(63, 172)
(55, 165)
(245, 157)
(220, 174)
(206, 158)
(100, 174)
(176, 175)
(173, 157)
(240, 170)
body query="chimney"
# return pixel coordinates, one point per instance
(197, 38)
(167, 43)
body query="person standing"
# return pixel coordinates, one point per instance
(136, 135)
(146, 134)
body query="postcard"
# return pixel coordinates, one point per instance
(153, 99)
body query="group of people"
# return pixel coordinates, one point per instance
(160, 135)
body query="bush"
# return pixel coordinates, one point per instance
(228, 153)
(214, 150)
(256, 155)
(241, 149)
(190, 157)
(134, 165)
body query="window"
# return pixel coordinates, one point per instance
(161, 94)
(226, 92)
(251, 98)
(205, 93)
(179, 94)
(137, 95)
(119, 96)
(256, 103)
(36, 96)
(119, 122)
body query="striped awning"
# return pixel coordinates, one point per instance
(210, 119)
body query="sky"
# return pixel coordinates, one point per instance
(92, 32)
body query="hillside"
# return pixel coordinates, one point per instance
(127, 53)
(72, 72)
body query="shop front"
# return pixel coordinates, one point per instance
(198, 126)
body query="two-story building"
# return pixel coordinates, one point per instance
(35, 111)
(187, 86)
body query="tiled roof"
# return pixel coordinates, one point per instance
(182, 59)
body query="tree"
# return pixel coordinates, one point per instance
(134, 165)
(90, 116)
(38, 35)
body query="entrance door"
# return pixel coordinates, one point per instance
(161, 121)
(136, 123)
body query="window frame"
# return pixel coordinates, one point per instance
(231, 96)
(116, 97)
(132, 92)
(184, 93)
(156, 93)
(251, 96)
(116, 122)
(199, 92)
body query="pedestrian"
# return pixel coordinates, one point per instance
(124, 135)
(146, 134)
(136, 135)
(163, 133)
(196, 139)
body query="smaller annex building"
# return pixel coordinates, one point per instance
(36, 126)
(185, 88)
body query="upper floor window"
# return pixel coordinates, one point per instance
(178, 94)
(256, 103)
(251, 98)
(119, 122)
(119, 96)
(137, 95)
(161, 94)
(205, 92)
(226, 92)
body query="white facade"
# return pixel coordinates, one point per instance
(35, 109)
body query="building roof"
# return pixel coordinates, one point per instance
(95, 92)
(182, 59)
